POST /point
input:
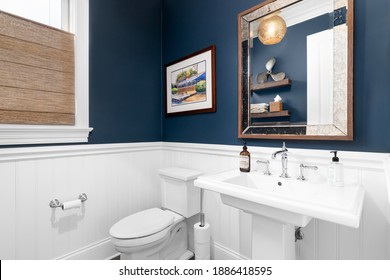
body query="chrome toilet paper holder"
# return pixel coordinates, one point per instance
(56, 203)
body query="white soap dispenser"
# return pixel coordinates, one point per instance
(335, 171)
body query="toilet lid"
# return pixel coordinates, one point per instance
(141, 224)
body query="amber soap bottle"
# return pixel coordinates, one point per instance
(245, 159)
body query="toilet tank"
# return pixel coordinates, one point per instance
(178, 192)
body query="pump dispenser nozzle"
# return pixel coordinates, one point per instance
(335, 158)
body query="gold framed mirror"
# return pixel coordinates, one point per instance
(295, 70)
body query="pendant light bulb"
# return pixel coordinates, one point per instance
(272, 30)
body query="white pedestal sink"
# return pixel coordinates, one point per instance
(278, 205)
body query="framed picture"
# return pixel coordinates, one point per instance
(190, 84)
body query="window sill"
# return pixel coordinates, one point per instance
(25, 134)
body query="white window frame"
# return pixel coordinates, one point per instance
(43, 134)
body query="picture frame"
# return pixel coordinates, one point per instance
(190, 84)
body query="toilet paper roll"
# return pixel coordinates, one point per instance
(202, 234)
(202, 251)
(71, 204)
(202, 241)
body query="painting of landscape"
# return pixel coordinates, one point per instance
(189, 84)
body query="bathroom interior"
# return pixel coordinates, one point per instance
(125, 151)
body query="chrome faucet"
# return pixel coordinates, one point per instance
(283, 153)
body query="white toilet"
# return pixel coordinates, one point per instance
(157, 234)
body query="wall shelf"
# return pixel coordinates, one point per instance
(267, 85)
(284, 113)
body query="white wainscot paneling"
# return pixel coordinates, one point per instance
(7, 210)
(118, 179)
(231, 228)
(121, 179)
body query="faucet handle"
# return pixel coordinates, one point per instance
(266, 162)
(284, 146)
(303, 166)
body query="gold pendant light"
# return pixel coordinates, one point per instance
(272, 30)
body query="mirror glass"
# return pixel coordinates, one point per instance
(300, 87)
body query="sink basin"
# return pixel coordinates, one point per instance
(289, 200)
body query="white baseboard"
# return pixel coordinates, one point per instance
(102, 250)
(219, 252)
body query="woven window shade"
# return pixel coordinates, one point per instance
(36, 73)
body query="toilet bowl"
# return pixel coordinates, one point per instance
(151, 234)
(158, 234)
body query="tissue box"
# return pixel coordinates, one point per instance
(276, 106)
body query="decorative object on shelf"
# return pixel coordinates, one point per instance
(278, 98)
(277, 105)
(190, 84)
(263, 77)
(272, 30)
(259, 108)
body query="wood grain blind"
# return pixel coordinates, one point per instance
(37, 84)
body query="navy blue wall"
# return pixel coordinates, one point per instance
(127, 62)
(125, 71)
(189, 26)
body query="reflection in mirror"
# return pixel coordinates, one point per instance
(300, 85)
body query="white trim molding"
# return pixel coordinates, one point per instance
(32, 153)
(38, 134)
(219, 252)
(367, 160)
(80, 26)
(26, 134)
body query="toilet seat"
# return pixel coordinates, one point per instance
(142, 224)
(149, 240)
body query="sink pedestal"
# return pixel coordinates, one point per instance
(272, 240)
